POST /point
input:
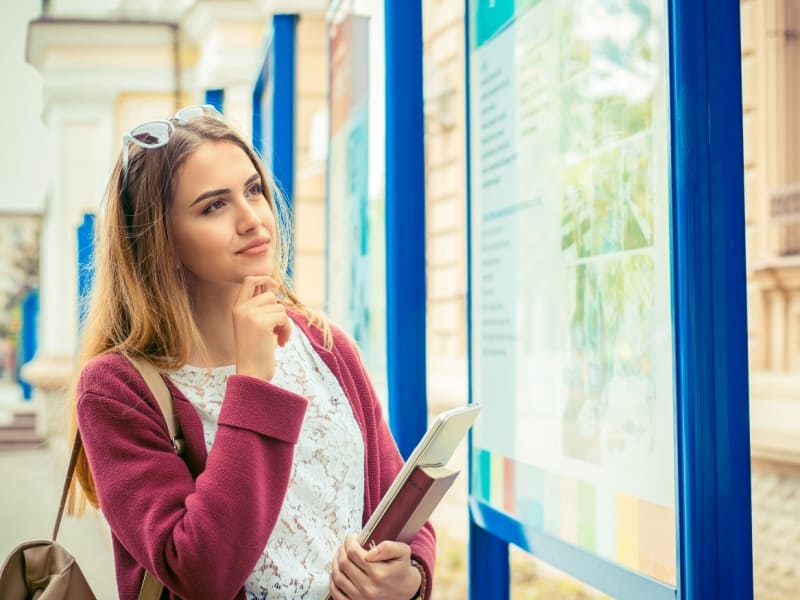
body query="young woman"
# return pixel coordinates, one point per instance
(286, 450)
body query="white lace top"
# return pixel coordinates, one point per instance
(325, 498)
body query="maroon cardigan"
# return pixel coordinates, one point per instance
(199, 522)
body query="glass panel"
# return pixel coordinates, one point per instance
(570, 273)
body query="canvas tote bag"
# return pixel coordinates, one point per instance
(45, 570)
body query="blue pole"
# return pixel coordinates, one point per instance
(85, 264)
(283, 105)
(489, 573)
(709, 303)
(28, 338)
(258, 116)
(216, 98)
(405, 224)
(262, 107)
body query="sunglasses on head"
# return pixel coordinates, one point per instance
(155, 134)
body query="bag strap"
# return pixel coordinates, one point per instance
(73, 458)
(151, 588)
(155, 382)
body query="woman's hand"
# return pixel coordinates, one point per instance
(260, 324)
(383, 572)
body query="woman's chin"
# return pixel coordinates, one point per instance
(260, 272)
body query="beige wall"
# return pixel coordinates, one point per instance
(309, 215)
(771, 124)
(770, 82)
(445, 177)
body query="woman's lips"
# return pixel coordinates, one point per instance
(255, 249)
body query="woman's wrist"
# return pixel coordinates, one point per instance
(423, 580)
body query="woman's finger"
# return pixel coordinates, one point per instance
(342, 573)
(252, 284)
(355, 553)
(388, 550)
(283, 331)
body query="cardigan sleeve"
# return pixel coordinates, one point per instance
(386, 462)
(200, 537)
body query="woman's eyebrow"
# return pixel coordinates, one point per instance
(210, 194)
(222, 191)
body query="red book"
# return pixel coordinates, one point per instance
(412, 505)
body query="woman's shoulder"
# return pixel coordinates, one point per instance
(106, 370)
(105, 362)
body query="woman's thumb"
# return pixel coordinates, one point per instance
(376, 553)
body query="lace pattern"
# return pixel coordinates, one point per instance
(325, 498)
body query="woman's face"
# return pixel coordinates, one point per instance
(222, 224)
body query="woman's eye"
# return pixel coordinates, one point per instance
(255, 190)
(215, 205)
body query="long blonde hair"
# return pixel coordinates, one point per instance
(139, 304)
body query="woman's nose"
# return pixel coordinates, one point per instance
(248, 217)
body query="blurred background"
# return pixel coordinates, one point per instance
(81, 73)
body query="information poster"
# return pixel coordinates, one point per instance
(356, 282)
(570, 273)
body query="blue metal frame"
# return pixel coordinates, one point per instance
(258, 94)
(283, 105)
(405, 230)
(600, 573)
(216, 98)
(709, 302)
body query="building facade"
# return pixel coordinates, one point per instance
(771, 95)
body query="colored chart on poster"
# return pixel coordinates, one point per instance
(570, 273)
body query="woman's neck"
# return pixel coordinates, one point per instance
(213, 314)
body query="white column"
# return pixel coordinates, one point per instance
(82, 158)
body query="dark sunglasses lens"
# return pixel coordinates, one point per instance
(151, 134)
